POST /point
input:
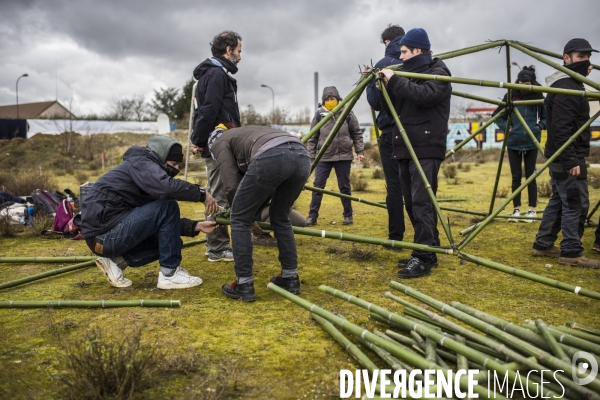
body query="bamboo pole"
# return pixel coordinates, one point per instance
(46, 274)
(353, 238)
(450, 200)
(572, 74)
(446, 342)
(529, 132)
(415, 160)
(584, 328)
(591, 214)
(402, 353)
(359, 88)
(482, 214)
(350, 347)
(377, 134)
(552, 343)
(579, 334)
(500, 162)
(527, 182)
(89, 303)
(528, 102)
(489, 330)
(496, 84)
(343, 196)
(478, 98)
(47, 260)
(336, 127)
(461, 361)
(477, 132)
(549, 53)
(530, 276)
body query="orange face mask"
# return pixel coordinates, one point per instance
(330, 104)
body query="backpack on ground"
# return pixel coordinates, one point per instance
(66, 224)
(45, 202)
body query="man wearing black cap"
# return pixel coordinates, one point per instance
(130, 217)
(424, 109)
(568, 206)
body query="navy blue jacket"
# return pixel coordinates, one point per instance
(392, 57)
(216, 95)
(139, 180)
(534, 116)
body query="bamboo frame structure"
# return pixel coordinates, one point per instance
(89, 303)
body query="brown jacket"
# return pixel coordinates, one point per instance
(234, 149)
(349, 134)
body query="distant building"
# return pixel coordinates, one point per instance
(41, 110)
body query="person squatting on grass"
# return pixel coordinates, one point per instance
(521, 149)
(424, 109)
(568, 206)
(130, 217)
(216, 98)
(337, 156)
(259, 163)
(390, 37)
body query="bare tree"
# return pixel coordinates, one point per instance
(279, 116)
(66, 127)
(139, 108)
(120, 109)
(251, 117)
(302, 117)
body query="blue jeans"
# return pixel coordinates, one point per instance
(393, 187)
(279, 173)
(342, 172)
(149, 233)
(566, 211)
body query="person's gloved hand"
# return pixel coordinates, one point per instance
(210, 205)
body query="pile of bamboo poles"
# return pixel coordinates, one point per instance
(422, 339)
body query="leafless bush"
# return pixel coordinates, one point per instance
(373, 155)
(467, 168)
(358, 183)
(593, 178)
(361, 253)
(7, 227)
(544, 189)
(501, 193)
(23, 183)
(378, 174)
(449, 171)
(81, 177)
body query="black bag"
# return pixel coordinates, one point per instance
(45, 202)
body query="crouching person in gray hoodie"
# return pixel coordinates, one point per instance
(130, 217)
(258, 163)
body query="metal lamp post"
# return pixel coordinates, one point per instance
(22, 76)
(273, 112)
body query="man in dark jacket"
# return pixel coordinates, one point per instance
(130, 217)
(390, 37)
(568, 206)
(259, 163)
(216, 99)
(423, 108)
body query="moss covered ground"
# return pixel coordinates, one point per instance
(283, 353)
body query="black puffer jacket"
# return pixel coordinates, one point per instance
(423, 108)
(216, 95)
(139, 180)
(564, 116)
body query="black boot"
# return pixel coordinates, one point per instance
(244, 291)
(292, 285)
(415, 268)
(403, 262)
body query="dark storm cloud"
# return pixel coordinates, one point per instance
(107, 49)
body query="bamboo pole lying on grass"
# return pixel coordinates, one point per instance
(46, 260)
(344, 196)
(89, 303)
(584, 328)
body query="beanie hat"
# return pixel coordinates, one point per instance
(175, 153)
(527, 74)
(161, 145)
(417, 38)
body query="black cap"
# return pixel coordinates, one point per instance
(578, 44)
(175, 153)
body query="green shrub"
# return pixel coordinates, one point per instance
(449, 171)
(378, 174)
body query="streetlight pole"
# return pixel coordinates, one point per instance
(17, 85)
(273, 112)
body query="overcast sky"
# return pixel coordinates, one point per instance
(117, 48)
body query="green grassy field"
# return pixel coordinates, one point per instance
(281, 352)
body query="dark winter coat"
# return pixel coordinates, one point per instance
(534, 116)
(216, 97)
(565, 115)
(348, 135)
(139, 180)
(234, 149)
(392, 57)
(423, 107)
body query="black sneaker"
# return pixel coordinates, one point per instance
(347, 221)
(292, 285)
(414, 269)
(244, 292)
(403, 262)
(310, 221)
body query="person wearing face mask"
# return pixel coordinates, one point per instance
(338, 155)
(130, 217)
(568, 206)
(521, 149)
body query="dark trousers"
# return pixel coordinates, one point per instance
(393, 187)
(566, 211)
(342, 172)
(147, 234)
(280, 172)
(515, 159)
(419, 206)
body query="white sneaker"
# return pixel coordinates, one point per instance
(531, 214)
(181, 279)
(113, 273)
(515, 213)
